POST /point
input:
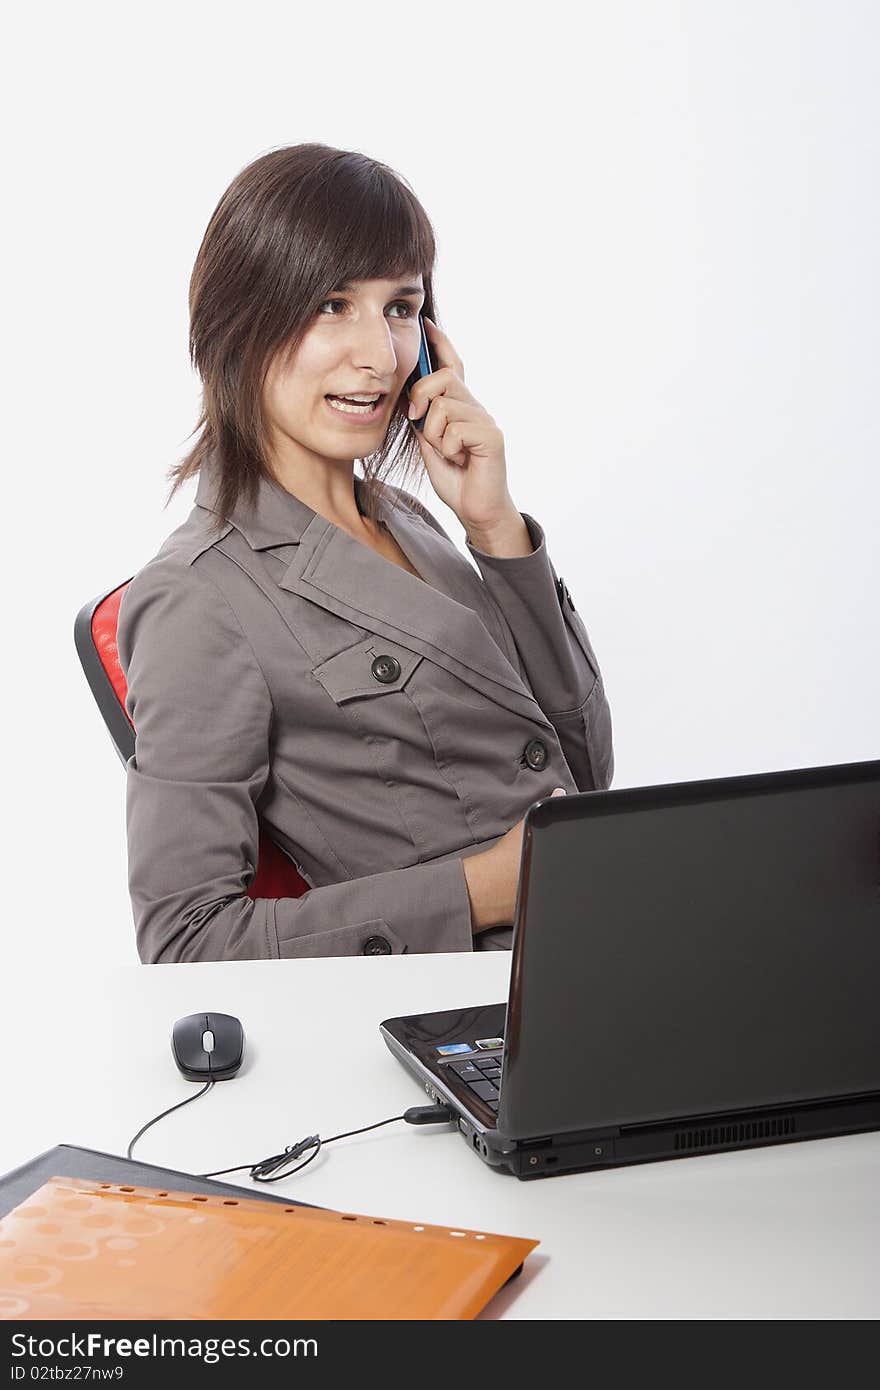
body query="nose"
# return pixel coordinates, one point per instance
(372, 347)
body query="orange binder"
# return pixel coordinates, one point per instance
(79, 1249)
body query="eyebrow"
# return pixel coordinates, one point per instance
(401, 289)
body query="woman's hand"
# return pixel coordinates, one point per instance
(492, 878)
(461, 444)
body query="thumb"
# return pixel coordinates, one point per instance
(558, 791)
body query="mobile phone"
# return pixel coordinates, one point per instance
(424, 367)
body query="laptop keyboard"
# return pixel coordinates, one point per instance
(482, 1075)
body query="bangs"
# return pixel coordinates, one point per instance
(369, 226)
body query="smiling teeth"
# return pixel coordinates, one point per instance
(346, 406)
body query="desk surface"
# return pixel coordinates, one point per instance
(791, 1231)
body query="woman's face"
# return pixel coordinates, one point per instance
(364, 340)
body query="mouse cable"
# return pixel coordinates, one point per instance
(207, 1086)
(263, 1168)
(266, 1170)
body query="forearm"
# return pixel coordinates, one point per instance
(506, 540)
(556, 656)
(489, 905)
(181, 917)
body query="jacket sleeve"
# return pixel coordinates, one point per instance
(203, 713)
(557, 657)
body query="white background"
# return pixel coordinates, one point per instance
(657, 228)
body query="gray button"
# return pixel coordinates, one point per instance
(385, 669)
(377, 946)
(536, 754)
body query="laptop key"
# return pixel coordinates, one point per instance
(486, 1063)
(466, 1070)
(493, 1104)
(486, 1090)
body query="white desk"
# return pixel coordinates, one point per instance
(791, 1231)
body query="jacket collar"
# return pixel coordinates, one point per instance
(438, 615)
(277, 518)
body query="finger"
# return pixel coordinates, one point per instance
(443, 408)
(430, 453)
(459, 441)
(451, 427)
(443, 382)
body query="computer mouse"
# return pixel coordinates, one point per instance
(208, 1047)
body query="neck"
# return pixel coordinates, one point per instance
(330, 490)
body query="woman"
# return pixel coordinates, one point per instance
(309, 652)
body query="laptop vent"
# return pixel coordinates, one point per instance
(744, 1133)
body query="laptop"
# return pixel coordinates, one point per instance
(695, 968)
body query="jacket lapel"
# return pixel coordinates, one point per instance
(434, 615)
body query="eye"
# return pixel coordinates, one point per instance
(398, 304)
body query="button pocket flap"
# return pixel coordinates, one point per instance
(376, 666)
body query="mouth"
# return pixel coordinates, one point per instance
(354, 411)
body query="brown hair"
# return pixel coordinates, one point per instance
(291, 227)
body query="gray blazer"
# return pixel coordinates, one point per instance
(381, 727)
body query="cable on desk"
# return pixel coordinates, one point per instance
(267, 1169)
(261, 1171)
(207, 1086)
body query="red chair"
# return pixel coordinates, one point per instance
(94, 634)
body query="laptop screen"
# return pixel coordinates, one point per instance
(695, 948)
